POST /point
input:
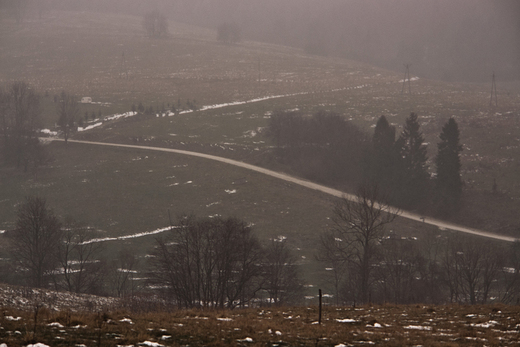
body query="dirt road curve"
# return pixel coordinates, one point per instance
(334, 192)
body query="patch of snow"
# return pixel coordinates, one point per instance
(121, 115)
(489, 324)
(49, 132)
(38, 345)
(127, 320)
(411, 79)
(247, 339)
(133, 236)
(55, 324)
(92, 126)
(230, 191)
(150, 344)
(12, 318)
(346, 320)
(417, 327)
(225, 319)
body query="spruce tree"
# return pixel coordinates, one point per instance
(413, 169)
(383, 159)
(448, 180)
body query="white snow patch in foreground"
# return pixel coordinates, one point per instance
(346, 320)
(489, 324)
(230, 191)
(247, 339)
(55, 324)
(150, 343)
(12, 318)
(38, 345)
(417, 327)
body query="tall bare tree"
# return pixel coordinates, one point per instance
(359, 225)
(472, 266)
(281, 278)
(68, 112)
(19, 124)
(35, 240)
(208, 262)
(80, 268)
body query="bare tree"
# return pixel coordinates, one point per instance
(68, 112)
(208, 263)
(35, 240)
(19, 124)
(331, 253)
(80, 268)
(122, 270)
(471, 266)
(281, 279)
(360, 224)
(399, 270)
(155, 24)
(229, 33)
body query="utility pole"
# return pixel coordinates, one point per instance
(407, 78)
(123, 67)
(493, 91)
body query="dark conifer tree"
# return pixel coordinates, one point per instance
(384, 156)
(448, 180)
(413, 168)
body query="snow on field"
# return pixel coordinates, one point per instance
(92, 126)
(417, 327)
(121, 115)
(411, 79)
(49, 132)
(347, 320)
(126, 237)
(25, 298)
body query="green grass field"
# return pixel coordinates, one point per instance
(122, 192)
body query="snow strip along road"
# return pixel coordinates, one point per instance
(311, 185)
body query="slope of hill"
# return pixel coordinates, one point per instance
(121, 192)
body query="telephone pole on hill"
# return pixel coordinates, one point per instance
(493, 91)
(407, 78)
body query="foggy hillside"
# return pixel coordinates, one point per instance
(461, 40)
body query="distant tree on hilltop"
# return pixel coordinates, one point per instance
(229, 33)
(155, 24)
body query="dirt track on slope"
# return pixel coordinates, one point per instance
(304, 183)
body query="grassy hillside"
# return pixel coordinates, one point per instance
(387, 325)
(121, 192)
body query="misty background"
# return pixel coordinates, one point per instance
(451, 40)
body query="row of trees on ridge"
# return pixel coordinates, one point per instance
(327, 148)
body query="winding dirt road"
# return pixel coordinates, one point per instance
(330, 191)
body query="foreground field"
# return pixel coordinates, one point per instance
(384, 325)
